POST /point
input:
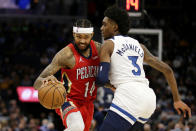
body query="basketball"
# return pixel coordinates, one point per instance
(52, 95)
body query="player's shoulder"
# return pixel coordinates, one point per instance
(108, 43)
(97, 43)
(143, 46)
(108, 46)
(65, 57)
(131, 39)
(66, 52)
(120, 38)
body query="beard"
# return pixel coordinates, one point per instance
(83, 50)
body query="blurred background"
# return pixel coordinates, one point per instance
(32, 31)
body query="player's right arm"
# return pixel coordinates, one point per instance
(169, 75)
(61, 59)
(98, 47)
(104, 67)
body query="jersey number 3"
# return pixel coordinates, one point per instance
(134, 60)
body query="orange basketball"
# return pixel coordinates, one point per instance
(52, 96)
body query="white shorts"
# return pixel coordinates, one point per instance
(134, 101)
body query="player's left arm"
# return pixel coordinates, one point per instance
(169, 75)
(105, 56)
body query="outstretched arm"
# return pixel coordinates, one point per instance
(169, 75)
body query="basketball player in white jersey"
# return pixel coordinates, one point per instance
(122, 60)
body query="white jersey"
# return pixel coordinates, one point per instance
(126, 61)
(133, 99)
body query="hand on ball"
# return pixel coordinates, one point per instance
(50, 78)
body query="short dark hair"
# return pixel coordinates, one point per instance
(83, 23)
(120, 16)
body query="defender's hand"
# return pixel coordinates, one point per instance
(180, 105)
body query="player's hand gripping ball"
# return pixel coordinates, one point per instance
(52, 95)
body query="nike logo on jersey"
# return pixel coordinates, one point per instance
(81, 60)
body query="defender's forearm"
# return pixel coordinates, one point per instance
(172, 83)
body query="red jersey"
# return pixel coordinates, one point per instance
(80, 80)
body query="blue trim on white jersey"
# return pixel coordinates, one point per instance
(127, 114)
(124, 112)
(143, 119)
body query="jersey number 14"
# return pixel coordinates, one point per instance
(87, 89)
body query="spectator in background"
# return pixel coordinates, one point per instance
(44, 125)
(51, 127)
(147, 127)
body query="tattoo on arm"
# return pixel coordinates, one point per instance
(51, 69)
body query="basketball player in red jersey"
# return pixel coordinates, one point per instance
(79, 65)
